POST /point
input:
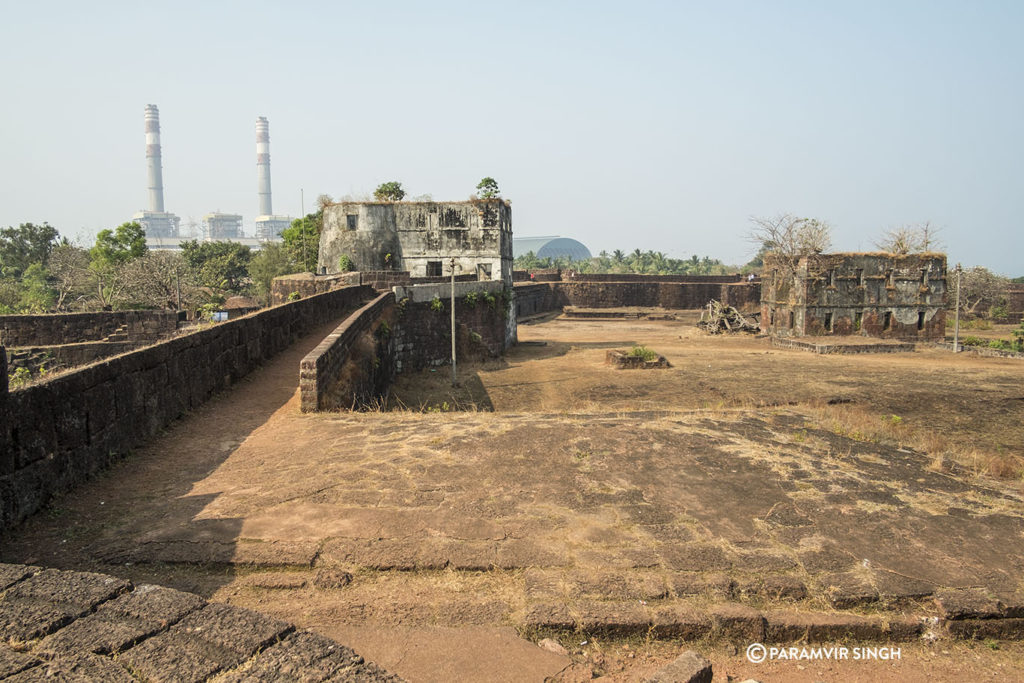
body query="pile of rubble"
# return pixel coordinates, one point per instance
(718, 318)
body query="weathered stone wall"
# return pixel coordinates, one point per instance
(63, 328)
(355, 363)
(1014, 302)
(36, 358)
(307, 284)
(533, 298)
(569, 276)
(743, 296)
(411, 235)
(484, 314)
(57, 433)
(482, 330)
(888, 296)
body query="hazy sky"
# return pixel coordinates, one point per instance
(651, 125)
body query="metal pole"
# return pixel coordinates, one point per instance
(956, 314)
(452, 264)
(302, 208)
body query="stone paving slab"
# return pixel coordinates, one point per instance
(49, 599)
(308, 657)
(101, 628)
(122, 622)
(11, 661)
(11, 574)
(79, 669)
(212, 639)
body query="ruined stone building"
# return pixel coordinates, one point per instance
(875, 294)
(420, 237)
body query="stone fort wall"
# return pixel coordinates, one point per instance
(540, 297)
(353, 367)
(65, 328)
(56, 434)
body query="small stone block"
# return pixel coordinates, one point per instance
(777, 588)
(696, 557)
(330, 577)
(678, 621)
(847, 589)
(967, 603)
(275, 553)
(891, 586)
(737, 622)
(816, 627)
(715, 585)
(548, 616)
(982, 629)
(688, 667)
(612, 618)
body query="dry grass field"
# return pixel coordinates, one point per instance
(428, 535)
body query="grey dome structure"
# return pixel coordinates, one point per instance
(550, 247)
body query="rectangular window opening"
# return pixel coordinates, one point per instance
(920, 320)
(887, 320)
(857, 319)
(352, 221)
(828, 322)
(433, 268)
(860, 277)
(792, 320)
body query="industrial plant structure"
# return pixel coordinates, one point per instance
(162, 228)
(268, 226)
(156, 221)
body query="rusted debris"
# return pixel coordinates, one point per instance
(719, 318)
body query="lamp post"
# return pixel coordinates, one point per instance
(956, 314)
(451, 263)
(302, 208)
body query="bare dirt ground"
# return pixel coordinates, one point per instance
(425, 540)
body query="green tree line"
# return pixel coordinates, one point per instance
(42, 272)
(637, 261)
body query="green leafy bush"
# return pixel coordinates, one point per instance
(436, 305)
(643, 353)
